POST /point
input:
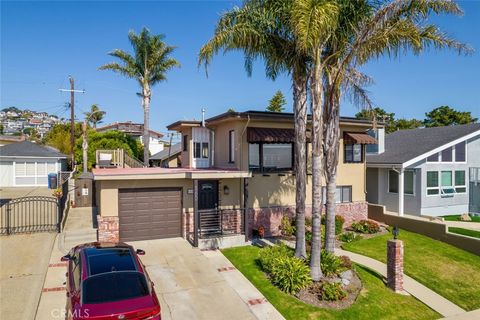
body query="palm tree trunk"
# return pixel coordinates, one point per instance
(300, 111)
(317, 132)
(332, 145)
(146, 126)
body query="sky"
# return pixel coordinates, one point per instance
(43, 43)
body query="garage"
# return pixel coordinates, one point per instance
(149, 213)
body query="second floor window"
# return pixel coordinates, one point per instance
(270, 156)
(231, 146)
(353, 153)
(200, 150)
(185, 142)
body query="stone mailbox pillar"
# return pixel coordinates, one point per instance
(395, 265)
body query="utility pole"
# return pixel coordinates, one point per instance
(72, 116)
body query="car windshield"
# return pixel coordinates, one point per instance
(114, 286)
(109, 259)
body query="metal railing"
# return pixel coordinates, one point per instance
(132, 162)
(220, 222)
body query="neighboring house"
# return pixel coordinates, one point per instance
(437, 170)
(236, 167)
(4, 140)
(170, 157)
(28, 164)
(136, 131)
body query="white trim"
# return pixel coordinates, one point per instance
(438, 149)
(439, 188)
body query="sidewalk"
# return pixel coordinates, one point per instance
(432, 299)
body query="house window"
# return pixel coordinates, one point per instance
(446, 183)
(343, 194)
(408, 181)
(432, 183)
(197, 146)
(231, 146)
(460, 152)
(270, 156)
(185, 142)
(433, 158)
(447, 155)
(205, 150)
(353, 153)
(460, 185)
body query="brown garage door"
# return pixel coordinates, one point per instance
(150, 213)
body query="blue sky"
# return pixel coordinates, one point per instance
(42, 43)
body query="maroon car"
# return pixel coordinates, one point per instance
(108, 282)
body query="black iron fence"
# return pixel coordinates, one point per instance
(219, 222)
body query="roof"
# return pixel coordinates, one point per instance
(29, 149)
(257, 115)
(167, 173)
(129, 127)
(168, 152)
(404, 145)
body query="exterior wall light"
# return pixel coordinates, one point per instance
(226, 190)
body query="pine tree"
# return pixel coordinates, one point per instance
(276, 104)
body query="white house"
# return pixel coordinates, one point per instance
(25, 164)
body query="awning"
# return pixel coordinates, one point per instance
(360, 138)
(272, 135)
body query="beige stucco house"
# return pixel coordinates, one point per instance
(236, 175)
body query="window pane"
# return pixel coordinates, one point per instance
(461, 190)
(392, 181)
(357, 153)
(51, 167)
(459, 178)
(446, 178)
(231, 145)
(338, 195)
(196, 153)
(432, 191)
(347, 194)
(205, 150)
(408, 181)
(348, 153)
(30, 168)
(185, 143)
(460, 152)
(277, 156)
(19, 168)
(41, 169)
(433, 158)
(254, 155)
(432, 179)
(447, 155)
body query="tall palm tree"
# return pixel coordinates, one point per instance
(262, 29)
(148, 65)
(95, 115)
(365, 32)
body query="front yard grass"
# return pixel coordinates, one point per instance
(457, 218)
(447, 270)
(465, 232)
(375, 301)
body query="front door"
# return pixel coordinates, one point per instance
(207, 194)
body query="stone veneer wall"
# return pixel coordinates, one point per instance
(270, 218)
(187, 226)
(108, 229)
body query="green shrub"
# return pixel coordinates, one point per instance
(290, 274)
(308, 222)
(332, 291)
(349, 237)
(366, 226)
(339, 221)
(287, 226)
(330, 263)
(308, 236)
(270, 254)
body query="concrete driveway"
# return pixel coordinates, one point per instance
(23, 265)
(187, 284)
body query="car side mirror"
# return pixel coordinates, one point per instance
(140, 252)
(66, 258)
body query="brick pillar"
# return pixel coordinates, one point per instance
(108, 230)
(395, 265)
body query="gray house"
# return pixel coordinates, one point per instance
(428, 171)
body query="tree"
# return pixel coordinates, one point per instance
(392, 28)
(405, 124)
(446, 116)
(2, 128)
(95, 115)
(148, 66)
(59, 136)
(391, 124)
(277, 103)
(262, 29)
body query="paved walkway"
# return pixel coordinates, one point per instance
(465, 225)
(432, 299)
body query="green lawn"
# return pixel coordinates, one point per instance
(465, 232)
(451, 272)
(457, 218)
(374, 302)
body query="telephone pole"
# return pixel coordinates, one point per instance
(72, 117)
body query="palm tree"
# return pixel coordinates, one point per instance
(262, 29)
(365, 32)
(95, 115)
(148, 65)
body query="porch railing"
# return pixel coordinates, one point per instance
(220, 222)
(117, 158)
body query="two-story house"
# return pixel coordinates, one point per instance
(236, 175)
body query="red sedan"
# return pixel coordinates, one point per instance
(108, 282)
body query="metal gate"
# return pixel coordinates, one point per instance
(474, 194)
(29, 214)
